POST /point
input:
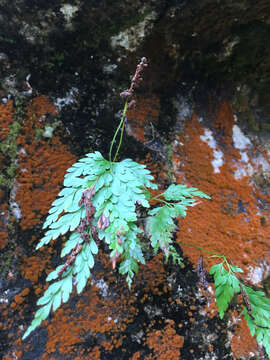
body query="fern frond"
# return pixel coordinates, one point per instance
(99, 202)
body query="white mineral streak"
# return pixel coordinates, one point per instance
(14, 206)
(68, 11)
(103, 287)
(247, 166)
(48, 131)
(240, 141)
(69, 99)
(132, 37)
(218, 154)
(183, 107)
(258, 273)
(261, 162)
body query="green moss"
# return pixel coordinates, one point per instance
(47, 131)
(5, 262)
(6, 39)
(266, 126)
(249, 118)
(4, 181)
(9, 147)
(38, 134)
(170, 163)
(245, 112)
(11, 171)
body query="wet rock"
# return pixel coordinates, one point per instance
(202, 118)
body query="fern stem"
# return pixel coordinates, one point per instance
(122, 131)
(121, 124)
(202, 249)
(163, 201)
(157, 197)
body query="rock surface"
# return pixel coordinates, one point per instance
(202, 118)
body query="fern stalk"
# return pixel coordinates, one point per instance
(120, 126)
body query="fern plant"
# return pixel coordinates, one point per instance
(100, 201)
(256, 306)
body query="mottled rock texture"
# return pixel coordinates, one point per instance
(202, 118)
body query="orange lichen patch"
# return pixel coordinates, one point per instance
(224, 120)
(136, 356)
(165, 343)
(6, 118)
(19, 298)
(144, 114)
(93, 355)
(18, 349)
(33, 266)
(211, 307)
(37, 111)
(153, 275)
(229, 223)
(92, 315)
(11, 313)
(242, 343)
(39, 108)
(42, 165)
(3, 239)
(13, 355)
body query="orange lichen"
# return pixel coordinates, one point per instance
(19, 298)
(32, 266)
(93, 355)
(42, 164)
(153, 275)
(165, 343)
(136, 356)
(242, 343)
(109, 315)
(3, 221)
(16, 354)
(94, 314)
(6, 118)
(216, 225)
(230, 223)
(211, 308)
(224, 121)
(219, 225)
